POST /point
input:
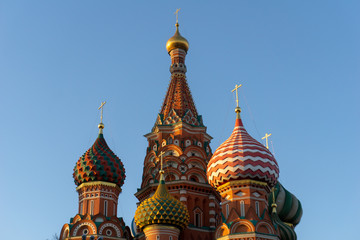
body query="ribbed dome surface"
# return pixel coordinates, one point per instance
(242, 157)
(162, 208)
(99, 163)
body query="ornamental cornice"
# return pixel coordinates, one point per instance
(249, 235)
(179, 125)
(183, 184)
(238, 183)
(98, 183)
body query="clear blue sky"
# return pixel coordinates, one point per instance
(298, 62)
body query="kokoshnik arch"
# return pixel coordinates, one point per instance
(195, 195)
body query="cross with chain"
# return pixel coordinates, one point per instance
(266, 137)
(101, 107)
(237, 97)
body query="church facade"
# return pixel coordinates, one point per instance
(187, 192)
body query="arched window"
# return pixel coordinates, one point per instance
(92, 207)
(257, 208)
(227, 210)
(157, 237)
(242, 208)
(193, 179)
(106, 208)
(114, 209)
(81, 208)
(170, 238)
(197, 220)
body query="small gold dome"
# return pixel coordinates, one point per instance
(177, 41)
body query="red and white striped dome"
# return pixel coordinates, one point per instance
(242, 157)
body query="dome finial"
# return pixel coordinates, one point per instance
(101, 125)
(177, 41)
(237, 109)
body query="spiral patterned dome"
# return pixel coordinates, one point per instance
(162, 208)
(289, 207)
(99, 163)
(241, 157)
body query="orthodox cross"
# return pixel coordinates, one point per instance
(237, 97)
(161, 161)
(266, 137)
(101, 107)
(177, 15)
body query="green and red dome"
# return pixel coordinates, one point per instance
(99, 163)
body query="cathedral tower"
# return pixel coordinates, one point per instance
(243, 171)
(179, 132)
(99, 175)
(254, 204)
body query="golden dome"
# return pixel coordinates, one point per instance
(177, 41)
(162, 208)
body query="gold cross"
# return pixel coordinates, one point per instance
(101, 107)
(237, 97)
(266, 137)
(177, 15)
(161, 161)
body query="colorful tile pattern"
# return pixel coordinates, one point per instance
(99, 163)
(242, 157)
(162, 208)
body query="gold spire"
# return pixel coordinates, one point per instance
(266, 137)
(237, 109)
(101, 125)
(177, 41)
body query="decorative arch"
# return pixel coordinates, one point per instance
(264, 227)
(200, 163)
(242, 226)
(171, 177)
(150, 156)
(65, 232)
(118, 232)
(198, 216)
(79, 227)
(148, 166)
(173, 148)
(222, 230)
(197, 175)
(199, 152)
(76, 219)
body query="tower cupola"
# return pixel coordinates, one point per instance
(177, 41)
(162, 208)
(99, 163)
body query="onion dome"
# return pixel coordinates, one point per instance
(177, 41)
(286, 232)
(99, 163)
(281, 195)
(289, 207)
(162, 208)
(241, 157)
